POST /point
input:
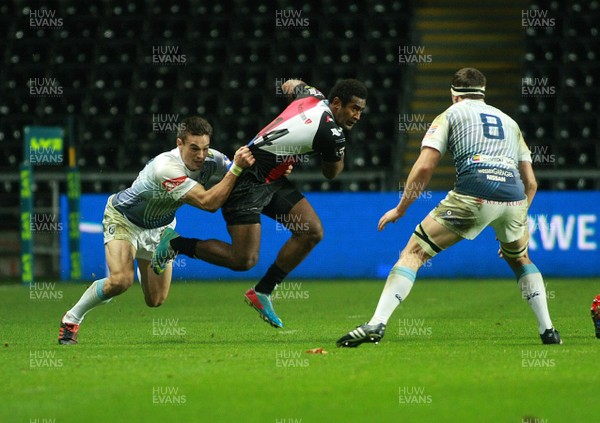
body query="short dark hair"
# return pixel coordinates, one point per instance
(346, 89)
(194, 125)
(469, 77)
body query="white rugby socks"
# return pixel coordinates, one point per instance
(91, 298)
(398, 285)
(532, 286)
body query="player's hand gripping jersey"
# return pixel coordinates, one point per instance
(155, 195)
(306, 126)
(487, 146)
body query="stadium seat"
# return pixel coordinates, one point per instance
(80, 51)
(127, 28)
(166, 29)
(112, 77)
(84, 27)
(170, 9)
(209, 28)
(105, 103)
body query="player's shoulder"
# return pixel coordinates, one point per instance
(168, 162)
(330, 126)
(168, 155)
(216, 156)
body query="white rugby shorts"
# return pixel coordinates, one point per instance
(467, 216)
(118, 227)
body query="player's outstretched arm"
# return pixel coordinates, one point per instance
(528, 178)
(211, 200)
(417, 180)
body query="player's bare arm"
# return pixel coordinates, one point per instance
(529, 182)
(417, 180)
(332, 169)
(211, 200)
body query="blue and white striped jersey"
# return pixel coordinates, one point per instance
(155, 195)
(486, 145)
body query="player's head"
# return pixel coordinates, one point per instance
(347, 100)
(193, 140)
(468, 83)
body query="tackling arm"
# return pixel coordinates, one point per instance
(211, 200)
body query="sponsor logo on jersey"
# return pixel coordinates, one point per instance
(171, 184)
(431, 130)
(340, 152)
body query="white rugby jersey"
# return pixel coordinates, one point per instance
(155, 195)
(487, 146)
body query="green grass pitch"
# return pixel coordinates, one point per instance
(455, 351)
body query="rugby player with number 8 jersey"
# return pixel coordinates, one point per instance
(311, 124)
(494, 186)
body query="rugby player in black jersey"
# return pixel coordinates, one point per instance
(311, 124)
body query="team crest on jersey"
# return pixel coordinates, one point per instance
(336, 132)
(307, 121)
(171, 184)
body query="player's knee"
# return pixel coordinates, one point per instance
(120, 282)
(245, 262)
(312, 235)
(517, 262)
(155, 301)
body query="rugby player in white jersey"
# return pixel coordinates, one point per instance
(311, 124)
(135, 217)
(494, 187)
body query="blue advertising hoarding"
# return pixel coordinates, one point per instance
(564, 230)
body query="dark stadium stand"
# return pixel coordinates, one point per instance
(233, 53)
(102, 55)
(562, 117)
